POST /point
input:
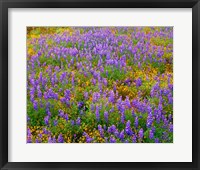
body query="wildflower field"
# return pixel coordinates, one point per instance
(99, 84)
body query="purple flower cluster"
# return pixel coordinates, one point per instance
(100, 84)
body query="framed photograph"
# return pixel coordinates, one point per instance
(99, 84)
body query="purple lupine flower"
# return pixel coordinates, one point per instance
(46, 120)
(29, 139)
(46, 96)
(52, 81)
(105, 82)
(72, 122)
(106, 139)
(170, 99)
(93, 81)
(32, 81)
(119, 103)
(121, 135)
(55, 96)
(40, 135)
(127, 81)
(123, 118)
(106, 73)
(28, 118)
(116, 133)
(112, 129)
(112, 110)
(106, 116)
(112, 139)
(111, 97)
(104, 127)
(28, 132)
(156, 140)
(171, 127)
(88, 138)
(78, 121)
(86, 95)
(101, 131)
(44, 81)
(127, 102)
(165, 122)
(81, 112)
(63, 76)
(32, 98)
(35, 105)
(96, 96)
(61, 113)
(40, 77)
(136, 122)
(80, 105)
(133, 113)
(170, 117)
(100, 88)
(108, 56)
(170, 86)
(60, 139)
(153, 129)
(53, 140)
(122, 109)
(138, 82)
(73, 81)
(39, 93)
(67, 94)
(48, 113)
(155, 112)
(55, 122)
(160, 107)
(114, 87)
(92, 107)
(165, 136)
(134, 138)
(97, 113)
(45, 131)
(149, 109)
(141, 133)
(128, 128)
(158, 117)
(37, 141)
(151, 134)
(149, 120)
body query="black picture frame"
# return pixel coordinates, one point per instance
(6, 4)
